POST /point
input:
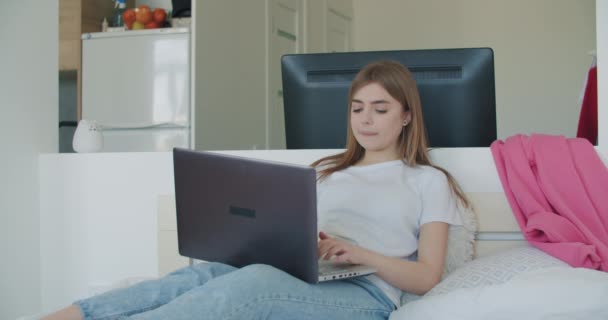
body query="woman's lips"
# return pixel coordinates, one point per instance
(367, 133)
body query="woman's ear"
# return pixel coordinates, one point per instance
(407, 118)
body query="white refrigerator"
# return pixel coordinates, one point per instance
(136, 86)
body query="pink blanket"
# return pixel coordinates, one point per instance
(558, 190)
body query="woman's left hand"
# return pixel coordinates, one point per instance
(329, 247)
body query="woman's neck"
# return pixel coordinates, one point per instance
(377, 157)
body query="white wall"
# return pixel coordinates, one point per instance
(541, 49)
(230, 71)
(29, 113)
(165, 4)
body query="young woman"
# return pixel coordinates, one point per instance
(380, 203)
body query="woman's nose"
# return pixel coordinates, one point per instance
(367, 116)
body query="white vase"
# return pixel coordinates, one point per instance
(88, 137)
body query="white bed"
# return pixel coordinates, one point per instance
(507, 279)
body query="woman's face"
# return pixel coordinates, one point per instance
(376, 119)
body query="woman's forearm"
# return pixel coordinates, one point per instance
(412, 276)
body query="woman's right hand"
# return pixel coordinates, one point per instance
(331, 247)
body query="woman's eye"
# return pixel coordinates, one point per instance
(357, 110)
(381, 111)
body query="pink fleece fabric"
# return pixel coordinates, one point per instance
(558, 190)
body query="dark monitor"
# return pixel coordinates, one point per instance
(456, 88)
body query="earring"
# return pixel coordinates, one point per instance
(405, 123)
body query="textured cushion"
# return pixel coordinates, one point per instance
(550, 293)
(461, 241)
(496, 269)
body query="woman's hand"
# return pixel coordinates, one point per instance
(329, 247)
(414, 276)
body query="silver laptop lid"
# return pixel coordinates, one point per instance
(242, 211)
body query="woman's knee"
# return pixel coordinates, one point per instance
(266, 278)
(259, 268)
(202, 272)
(265, 273)
(250, 283)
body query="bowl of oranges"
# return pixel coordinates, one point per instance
(143, 17)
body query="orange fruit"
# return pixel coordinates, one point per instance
(143, 15)
(151, 25)
(128, 16)
(159, 15)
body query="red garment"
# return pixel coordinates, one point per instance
(587, 122)
(558, 191)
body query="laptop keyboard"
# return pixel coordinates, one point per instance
(330, 267)
(331, 270)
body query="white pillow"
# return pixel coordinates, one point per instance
(551, 293)
(461, 241)
(496, 268)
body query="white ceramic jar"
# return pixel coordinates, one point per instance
(88, 137)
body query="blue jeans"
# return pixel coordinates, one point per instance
(218, 291)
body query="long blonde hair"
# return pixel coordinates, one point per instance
(413, 147)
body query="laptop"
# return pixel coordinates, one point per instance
(242, 211)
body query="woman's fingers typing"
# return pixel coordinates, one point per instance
(329, 247)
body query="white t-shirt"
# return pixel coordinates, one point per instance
(382, 206)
